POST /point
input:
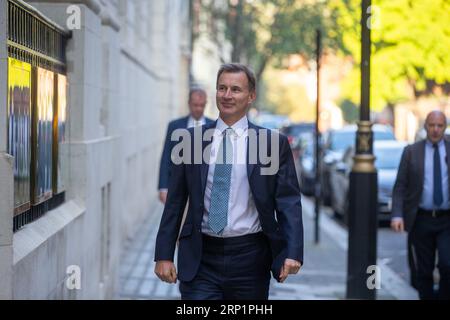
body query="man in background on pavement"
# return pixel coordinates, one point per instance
(197, 103)
(421, 206)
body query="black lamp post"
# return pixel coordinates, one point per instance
(362, 215)
(317, 144)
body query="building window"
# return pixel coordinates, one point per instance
(42, 135)
(19, 130)
(36, 111)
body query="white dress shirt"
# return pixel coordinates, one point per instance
(428, 192)
(195, 123)
(242, 214)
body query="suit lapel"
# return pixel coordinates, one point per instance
(447, 158)
(250, 166)
(422, 161)
(185, 121)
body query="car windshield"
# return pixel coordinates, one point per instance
(341, 140)
(387, 158)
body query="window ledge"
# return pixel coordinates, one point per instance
(33, 235)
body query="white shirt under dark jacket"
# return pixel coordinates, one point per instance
(195, 123)
(426, 201)
(242, 214)
(427, 193)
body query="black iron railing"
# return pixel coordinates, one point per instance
(33, 39)
(36, 86)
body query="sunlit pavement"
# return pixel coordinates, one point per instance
(323, 276)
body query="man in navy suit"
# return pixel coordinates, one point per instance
(421, 206)
(242, 222)
(197, 103)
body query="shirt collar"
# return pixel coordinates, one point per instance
(201, 120)
(192, 122)
(440, 143)
(239, 128)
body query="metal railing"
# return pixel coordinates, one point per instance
(33, 39)
(34, 126)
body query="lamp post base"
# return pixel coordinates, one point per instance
(362, 242)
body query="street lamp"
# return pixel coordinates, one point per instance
(362, 214)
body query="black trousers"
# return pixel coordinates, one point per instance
(236, 268)
(428, 235)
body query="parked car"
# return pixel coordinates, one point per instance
(335, 144)
(294, 132)
(306, 163)
(388, 155)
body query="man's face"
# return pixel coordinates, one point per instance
(197, 105)
(435, 127)
(233, 96)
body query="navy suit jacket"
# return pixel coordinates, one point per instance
(165, 163)
(277, 200)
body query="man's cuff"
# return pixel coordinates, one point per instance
(163, 190)
(397, 219)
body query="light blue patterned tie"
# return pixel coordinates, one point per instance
(220, 193)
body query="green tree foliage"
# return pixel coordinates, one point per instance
(410, 38)
(264, 32)
(349, 111)
(410, 53)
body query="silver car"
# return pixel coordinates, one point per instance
(336, 142)
(388, 154)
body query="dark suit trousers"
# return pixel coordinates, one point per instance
(412, 263)
(236, 268)
(428, 235)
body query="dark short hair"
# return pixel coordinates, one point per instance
(196, 90)
(236, 68)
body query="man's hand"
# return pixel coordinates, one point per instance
(397, 225)
(163, 196)
(165, 270)
(290, 267)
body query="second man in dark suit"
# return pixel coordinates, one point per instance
(421, 206)
(197, 102)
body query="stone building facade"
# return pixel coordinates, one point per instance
(128, 75)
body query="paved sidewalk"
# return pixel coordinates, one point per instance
(323, 276)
